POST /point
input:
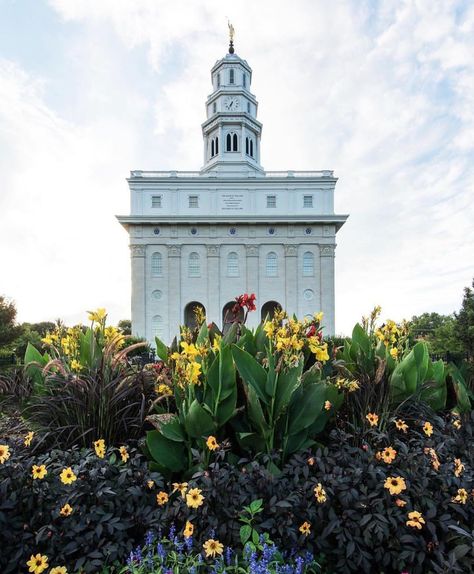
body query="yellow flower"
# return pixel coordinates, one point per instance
(124, 453)
(47, 339)
(394, 352)
(164, 390)
(428, 428)
(395, 484)
(98, 315)
(188, 529)
(39, 471)
(305, 528)
(415, 520)
(457, 424)
(181, 486)
(28, 438)
(353, 386)
(58, 570)
(216, 344)
(401, 503)
(189, 350)
(373, 419)
(388, 454)
(66, 510)
(75, 365)
(401, 425)
(193, 370)
(4, 453)
(37, 564)
(319, 317)
(269, 329)
(150, 484)
(194, 498)
(320, 493)
(458, 467)
(212, 444)
(67, 476)
(161, 498)
(320, 350)
(327, 405)
(99, 446)
(310, 461)
(212, 548)
(461, 496)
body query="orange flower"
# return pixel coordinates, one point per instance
(395, 484)
(188, 529)
(373, 419)
(458, 467)
(461, 496)
(388, 455)
(434, 458)
(311, 460)
(327, 407)
(161, 498)
(212, 443)
(399, 502)
(401, 425)
(66, 510)
(181, 486)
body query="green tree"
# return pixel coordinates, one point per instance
(9, 330)
(438, 331)
(126, 326)
(32, 333)
(465, 322)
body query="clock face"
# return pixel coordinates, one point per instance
(231, 104)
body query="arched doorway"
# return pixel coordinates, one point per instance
(268, 310)
(190, 313)
(229, 317)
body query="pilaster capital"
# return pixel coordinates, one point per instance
(251, 250)
(291, 250)
(174, 250)
(327, 250)
(138, 250)
(213, 250)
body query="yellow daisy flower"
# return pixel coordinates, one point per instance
(213, 548)
(58, 570)
(67, 476)
(28, 438)
(461, 496)
(320, 493)
(38, 471)
(373, 419)
(37, 564)
(66, 510)
(415, 520)
(124, 453)
(188, 529)
(458, 467)
(194, 498)
(99, 446)
(401, 425)
(181, 486)
(395, 484)
(388, 454)
(161, 498)
(305, 528)
(4, 453)
(212, 443)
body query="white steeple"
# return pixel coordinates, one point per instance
(231, 132)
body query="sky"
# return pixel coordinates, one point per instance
(380, 92)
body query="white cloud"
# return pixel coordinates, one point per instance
(383, 94)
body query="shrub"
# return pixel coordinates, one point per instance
(112, 508)
(342, 492)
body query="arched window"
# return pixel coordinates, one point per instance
(212, 148)
(156, 265)
(271, 268)
(229, 317)
(268, 310)
(231, 76)
(194, 265)
(217, 146)
(251, 148)
(190, 313)
(308, 264)
(247, 146)
(228, 141)
(232, 264)
(157, 326)
(234, 142)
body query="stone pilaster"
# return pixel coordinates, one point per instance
(291, 279)
(327, 253)
(252, 266)
(138, 264)
(213, 283)
(174, 291)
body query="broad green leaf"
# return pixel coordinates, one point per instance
(421, 355)
(203, 334)
(231, 335)
(252, 373)
(286, 383)
(167, 453)
(305, 407)
(251, 441)
(460, 389)
(173, 430)
(255, 412)
(245, 533)
(198, 422)
(226, 408)
(360, 338)
(161, 349)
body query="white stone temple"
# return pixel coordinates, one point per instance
(204, 237)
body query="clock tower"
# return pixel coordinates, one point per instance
(231, 131)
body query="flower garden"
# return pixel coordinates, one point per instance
(271, 450)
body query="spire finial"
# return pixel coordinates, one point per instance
(231, 37)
